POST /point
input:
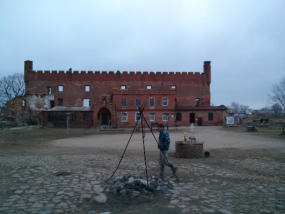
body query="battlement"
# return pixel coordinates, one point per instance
(51, 75)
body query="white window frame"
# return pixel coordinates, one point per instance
(163, 117)
(123, 87)
(173, 87)
(150, 118)
(136, 116)
(84, 102)
(163, 99)
(60, 88)
(124, 118)
(87, 88)
(49, 91)
(197, 101)
(148, 87)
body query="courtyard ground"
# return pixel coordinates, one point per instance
(46, 171)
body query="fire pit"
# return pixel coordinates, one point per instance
(185, 149)
(136, 185)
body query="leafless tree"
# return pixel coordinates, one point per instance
(276, 109)
(239, 108)
(278, 93)
(10, 87)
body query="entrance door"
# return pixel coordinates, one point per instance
(192, 118)
(200, 121)
(104, 117)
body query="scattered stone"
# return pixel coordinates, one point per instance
(98, 189)
(174, 202)
(62, 173)
(44, 212)
(224, 211)
(102, 198)
(136, 185)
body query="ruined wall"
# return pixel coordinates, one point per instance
(38, 102)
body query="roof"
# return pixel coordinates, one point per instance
(200, 108)
(67, 108)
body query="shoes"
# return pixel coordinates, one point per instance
(174, 170)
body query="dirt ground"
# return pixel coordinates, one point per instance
(213, 138)
(244, 174)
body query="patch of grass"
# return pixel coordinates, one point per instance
(30, 135)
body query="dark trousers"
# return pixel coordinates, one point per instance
(163, 160)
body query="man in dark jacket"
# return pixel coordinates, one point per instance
(163, 146)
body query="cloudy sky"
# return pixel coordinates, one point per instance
(244, 39)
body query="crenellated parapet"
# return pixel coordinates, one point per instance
(54, 75)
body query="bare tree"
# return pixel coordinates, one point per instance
(10, 87)
(239, 108)
(277, 109)
(278, 93)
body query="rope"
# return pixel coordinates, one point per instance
(143, 136)
(122, 156)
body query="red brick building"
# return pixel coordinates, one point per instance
(111, 98)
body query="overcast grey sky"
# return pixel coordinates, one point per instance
(244, 39)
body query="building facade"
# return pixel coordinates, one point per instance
(111, 99)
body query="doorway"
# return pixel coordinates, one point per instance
(104, 117)
(192, 118)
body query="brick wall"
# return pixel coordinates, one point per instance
(181, 89)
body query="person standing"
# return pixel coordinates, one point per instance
(163, 146)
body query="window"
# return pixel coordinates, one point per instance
(210, 116)
(23, 103)
(124, 117)
(148, 87)
(173, 87)
(151, 102)
(51, 104)
(138, 102)
(73, 117)
(164, 117)
(138, 116)
(49, 90)
(123, 87)
(86, 102)
(104, 99)
(87, 88)
(59, 101)
(60, 88)
(178, 116)
(85, 116)
(165, 101)
(124, 102)
(151, 117)
(197, 101)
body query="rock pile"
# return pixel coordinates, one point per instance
(137, 185)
